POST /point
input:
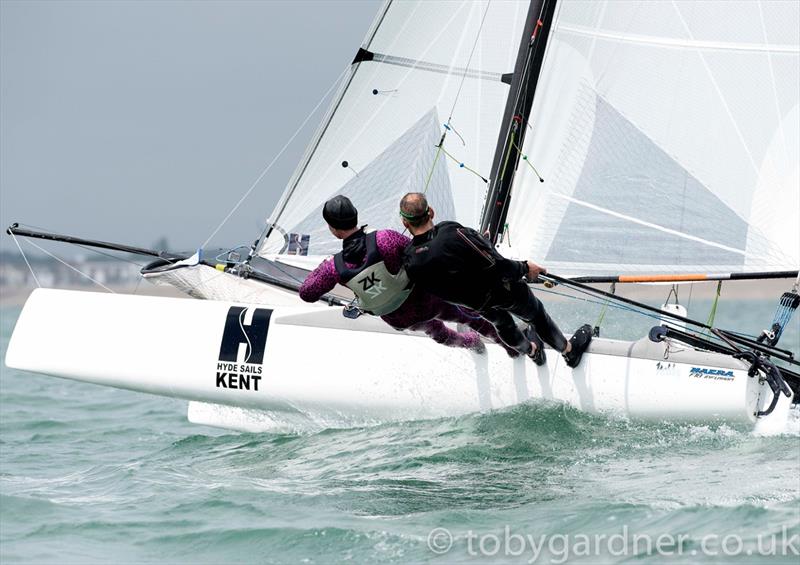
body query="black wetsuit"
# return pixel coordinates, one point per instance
(460, 266)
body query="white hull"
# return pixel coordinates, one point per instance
(322, 369)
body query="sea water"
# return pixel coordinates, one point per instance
(97, 475)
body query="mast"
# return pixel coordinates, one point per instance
(515, 117)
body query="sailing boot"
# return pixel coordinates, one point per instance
(580, 341)
(537, 353)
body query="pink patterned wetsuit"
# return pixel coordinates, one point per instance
(420, 311)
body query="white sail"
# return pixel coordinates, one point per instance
(389, 118)
(668, 136)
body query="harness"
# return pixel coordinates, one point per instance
(378, 291)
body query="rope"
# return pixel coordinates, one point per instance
(525, 158)
(622, 307)
(673, 290)
(274, 160)
(433, 165)
(71, 267)
(469, 61)
(21, 252)
(506, 233)
(508, 156)
(448, 126)
(713, 313)
(783, 314)
(463, 166)
(613, 290)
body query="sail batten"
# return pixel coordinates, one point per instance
(679, 43)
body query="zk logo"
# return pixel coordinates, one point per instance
(372, 285)
(240, 331)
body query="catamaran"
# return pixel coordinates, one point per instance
(613, 141)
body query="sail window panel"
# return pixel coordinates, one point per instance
(694, 125)
(631, 194)
(650, 86)
(610, 244)
(378, 187)
(626, 173)
(365, 125)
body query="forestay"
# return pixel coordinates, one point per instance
(388, 118)
(668, 136)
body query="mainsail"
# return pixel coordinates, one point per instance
(668, 135)
(424, 63)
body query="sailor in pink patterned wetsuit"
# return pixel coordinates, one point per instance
(420, 311)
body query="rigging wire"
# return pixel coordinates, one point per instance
(109, 255)
(622, 307)
(527, 162)
(626, 308)
(71, 267)
(713, 314)
(469, 61)
(275, 159)
(95, 250)
(21, 252)
(520, 102)
(463, 166)
(629, 308)
(602, 316)
(448, 126)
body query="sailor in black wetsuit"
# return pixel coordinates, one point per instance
(460, 266)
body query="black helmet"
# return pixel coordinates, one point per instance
(340, 213)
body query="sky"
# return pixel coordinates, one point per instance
(132, 121)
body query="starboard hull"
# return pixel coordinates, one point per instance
(309, 363)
